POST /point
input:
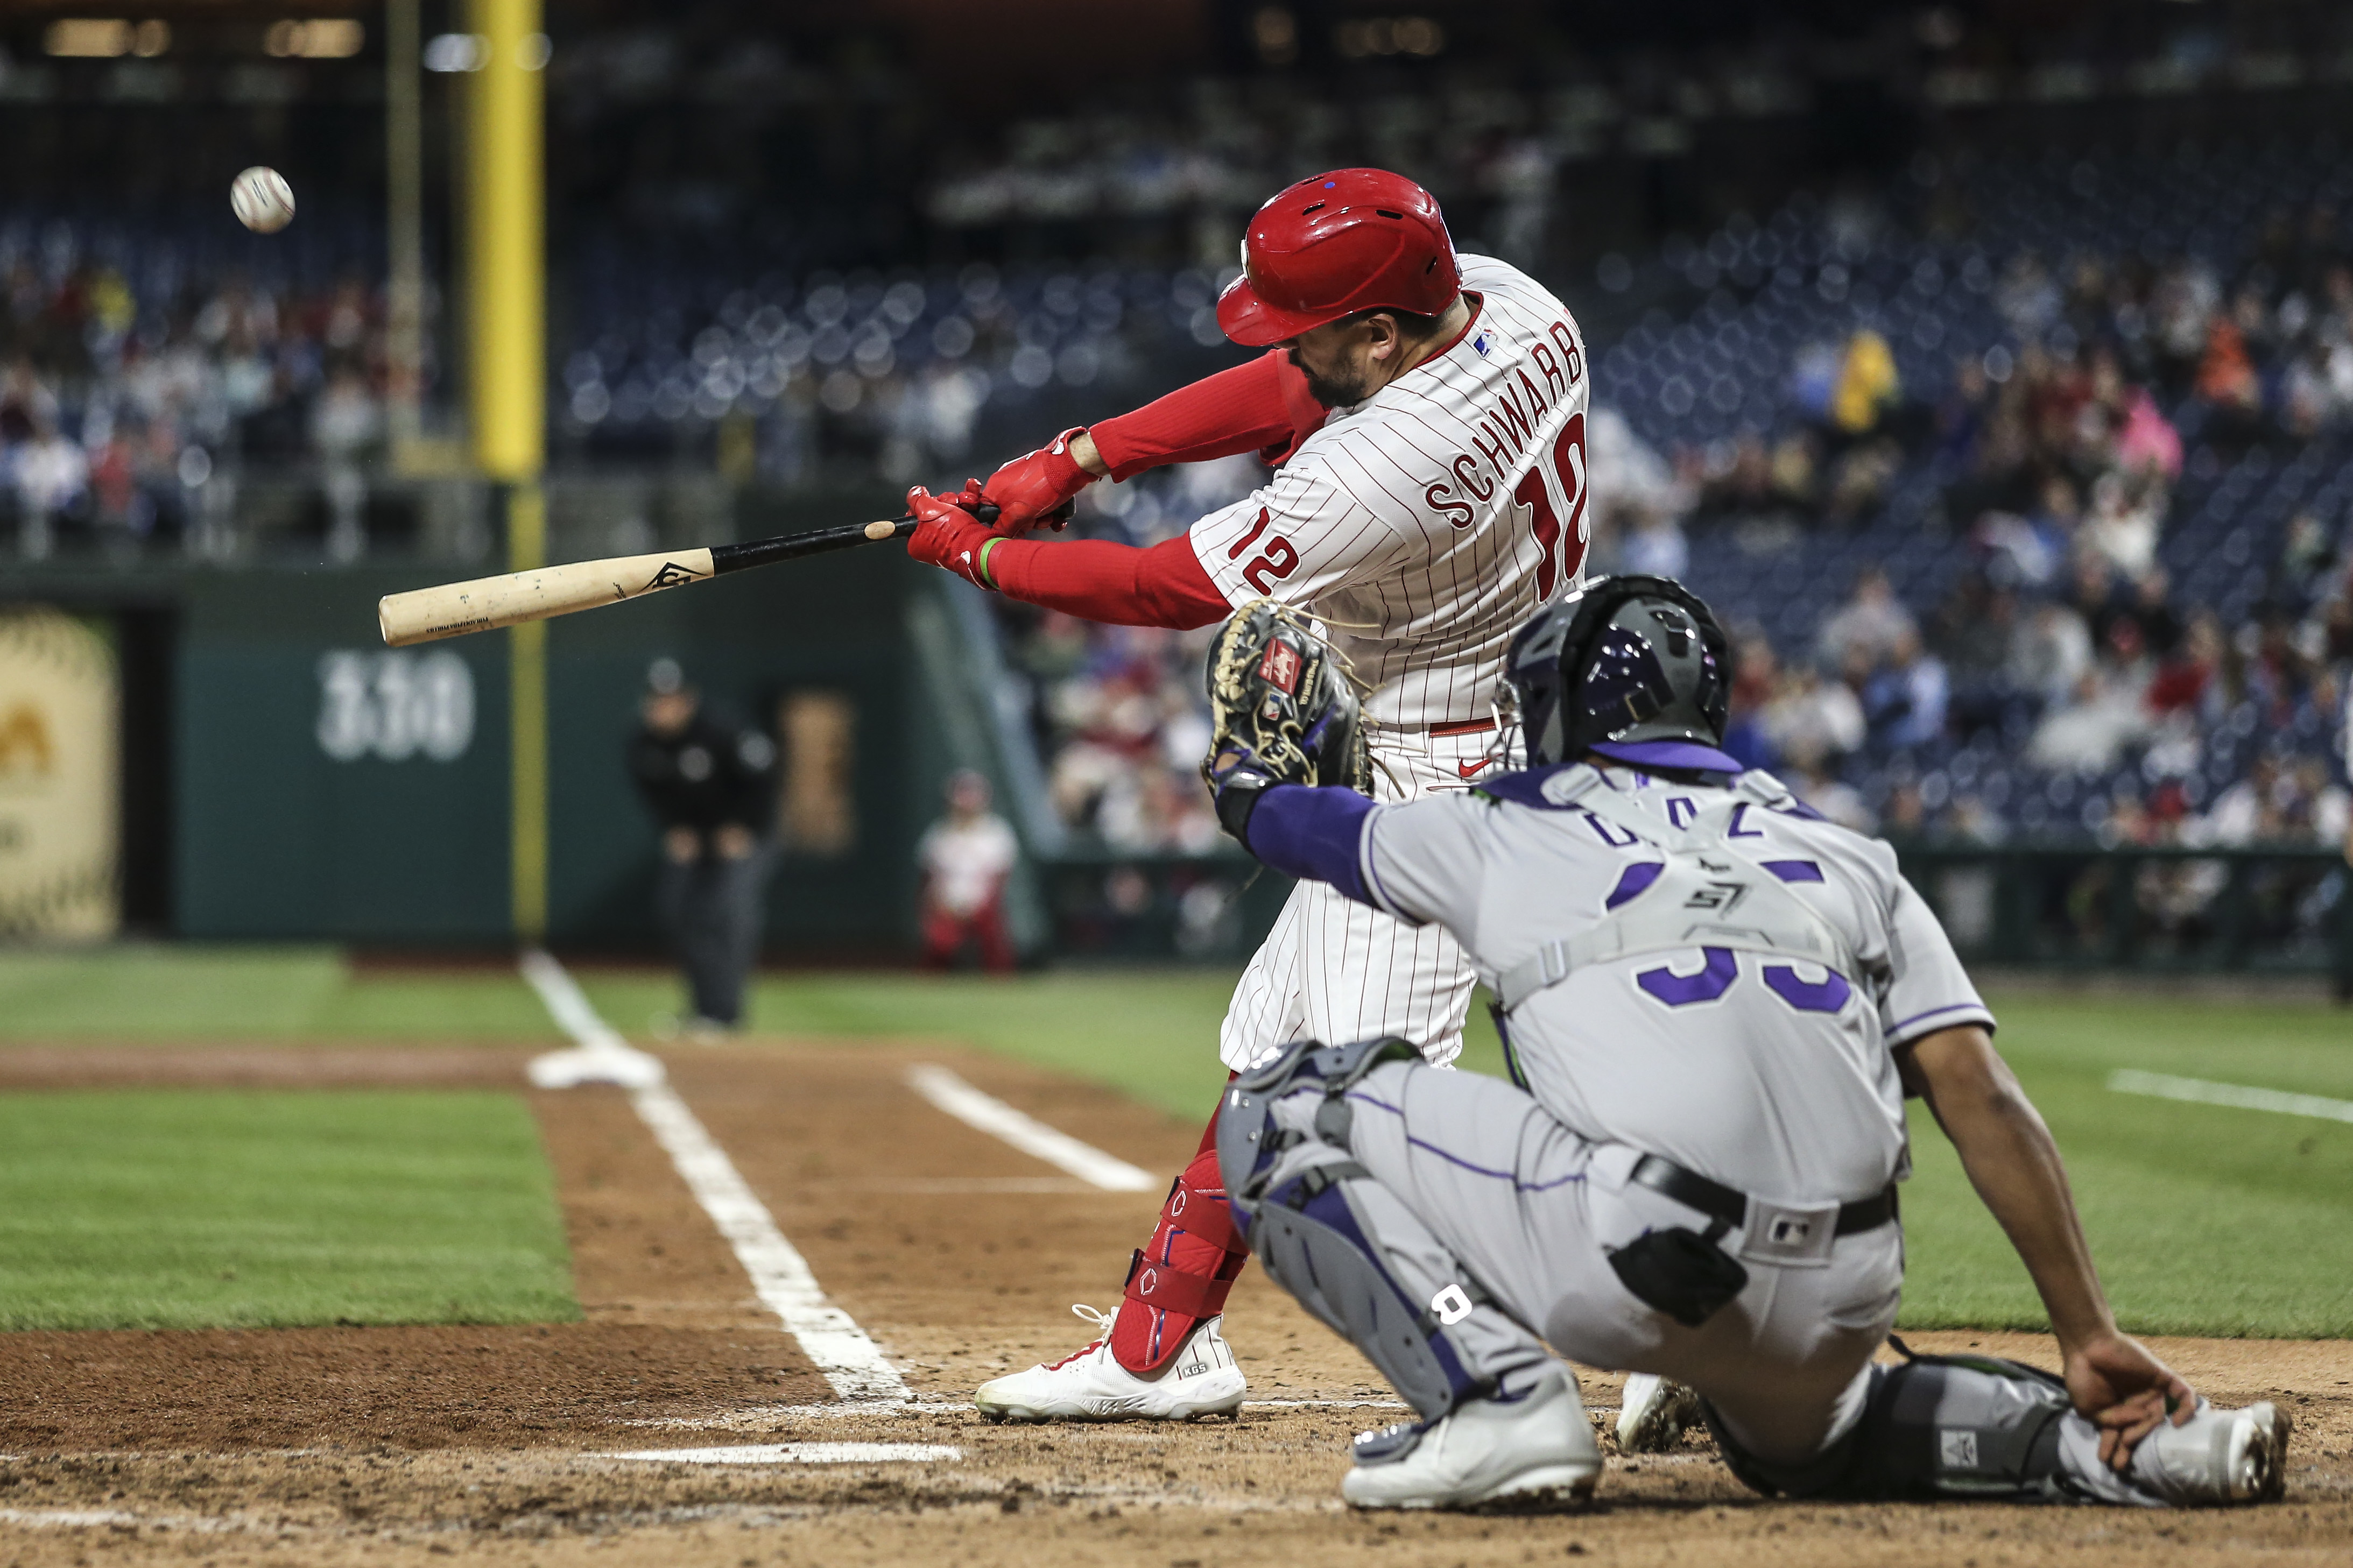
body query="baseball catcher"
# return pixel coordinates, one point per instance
(1713, 1005)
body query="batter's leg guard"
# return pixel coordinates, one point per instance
(1345, 1245)
(1184, 1273)
(1937, 1426)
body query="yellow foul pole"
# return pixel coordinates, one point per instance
(507, 343)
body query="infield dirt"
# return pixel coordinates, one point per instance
(349, 1446)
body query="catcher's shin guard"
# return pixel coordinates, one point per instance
(1183, 1274)
(1345, 1247)
(1937, 1426)
(1312, 1231)
(1980, 1426)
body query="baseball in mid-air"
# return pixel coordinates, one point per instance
(262, 200)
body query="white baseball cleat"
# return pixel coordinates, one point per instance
(2221, 1456)
(1091, 1385)
(1532, 1452)
(1654, 1413)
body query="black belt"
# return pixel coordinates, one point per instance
(1730, 1206)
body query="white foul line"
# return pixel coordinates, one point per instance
(601, 1055)
(831, 1338)
(2127, 1081)
(1026, 1132)
(796, 1454)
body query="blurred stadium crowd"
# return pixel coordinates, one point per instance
(2032, 526)
(2026, 488)
(131, 396)
(2025, 480)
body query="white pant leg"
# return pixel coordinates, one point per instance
(1336, 971)
(1269, 1009)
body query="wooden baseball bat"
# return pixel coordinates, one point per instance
(453, 609)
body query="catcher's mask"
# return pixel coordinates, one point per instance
(1633, 667)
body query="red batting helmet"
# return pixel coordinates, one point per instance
(1353, 239)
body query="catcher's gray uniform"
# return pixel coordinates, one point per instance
(1703, 987)
(1731, 1056)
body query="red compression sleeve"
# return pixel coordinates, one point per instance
(1118, 585)
(1262, 406)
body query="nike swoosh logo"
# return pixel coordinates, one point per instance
(1467, 769)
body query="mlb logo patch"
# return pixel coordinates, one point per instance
(1279, 669)
(1479, 342)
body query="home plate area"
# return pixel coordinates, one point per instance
(679, 1423)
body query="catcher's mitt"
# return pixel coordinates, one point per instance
(1282, 711)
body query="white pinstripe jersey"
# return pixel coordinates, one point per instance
(1424, 525)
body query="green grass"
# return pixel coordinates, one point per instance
(1150, 1033)
(136, 993)
(165, 1209)
(2204, 1219)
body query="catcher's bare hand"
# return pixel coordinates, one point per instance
(2125, 1392)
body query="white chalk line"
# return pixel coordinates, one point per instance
(966, 1186)
(112, 1518)
(797, 1454)
(852, 1364)
(768, 1417)
(2164, 1086)
(758, 1417)
(599, 1054)
(968, 1105)
(1329, 1404)
(67, 1518)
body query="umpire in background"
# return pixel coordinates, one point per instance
(711, 782)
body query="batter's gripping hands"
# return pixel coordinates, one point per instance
(1282, 713)
(1038, 488)
(948, 535)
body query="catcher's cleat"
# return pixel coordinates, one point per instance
(2221, 1456)
(1201, 1379)
(1534, 1452)
(1654, 1413)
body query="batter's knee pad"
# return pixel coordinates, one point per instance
(1937, 1426)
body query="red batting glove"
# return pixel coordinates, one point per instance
(1037, 488)
(946, 535)
(969, 497)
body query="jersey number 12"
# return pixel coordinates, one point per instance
(1554, 490)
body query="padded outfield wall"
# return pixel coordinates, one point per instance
(312, 784)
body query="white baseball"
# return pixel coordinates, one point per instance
(262, 200)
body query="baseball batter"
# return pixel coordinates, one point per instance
(1439, 499)
(1714, 1002)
